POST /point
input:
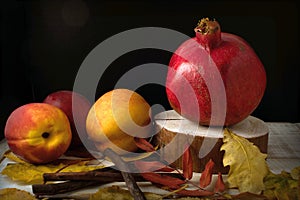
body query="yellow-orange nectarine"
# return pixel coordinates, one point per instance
(116, 118)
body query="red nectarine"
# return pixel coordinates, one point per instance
(64, 99)
(38, 132)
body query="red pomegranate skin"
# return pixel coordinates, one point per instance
(241, 70)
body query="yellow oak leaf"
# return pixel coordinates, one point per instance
(27, 173)
(14, 193)
(13, 157)
(295, 173)
(248, 165)
(115, 192)
(23, 171)
(281, 186)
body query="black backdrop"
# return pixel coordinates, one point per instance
(43, 44)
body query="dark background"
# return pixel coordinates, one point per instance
(43, 44)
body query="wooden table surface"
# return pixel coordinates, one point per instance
(283, 146)
(283, 150)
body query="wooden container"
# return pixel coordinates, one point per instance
(175, 132)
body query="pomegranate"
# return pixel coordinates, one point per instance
(198, 65)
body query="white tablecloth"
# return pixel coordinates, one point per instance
(283, 154)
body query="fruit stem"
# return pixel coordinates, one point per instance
(208, 33)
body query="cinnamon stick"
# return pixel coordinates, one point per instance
(79, 180)
(63, 187)
(133, 188)
(84, 176)
(97, 176)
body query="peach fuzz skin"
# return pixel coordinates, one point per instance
(38, 132)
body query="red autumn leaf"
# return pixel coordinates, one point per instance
(206, 175)
(220, 185)
(150, 166)
(165, 180)
(187, 163)
(195, 193)
(144, 144)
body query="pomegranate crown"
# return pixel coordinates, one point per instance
(206, 26)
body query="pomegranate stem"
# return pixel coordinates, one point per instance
(208, 33)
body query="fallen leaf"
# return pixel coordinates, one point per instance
(33, 174)
(139, 156)
(143, 144)
(27, 173)
(115, 192)
(150, 166)
(13, 157)
(248, 196)
(13, 194)
(220, 185)
(295, 173)
(206, 175)
(248, 165)
(281, 186)
(187, 163)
